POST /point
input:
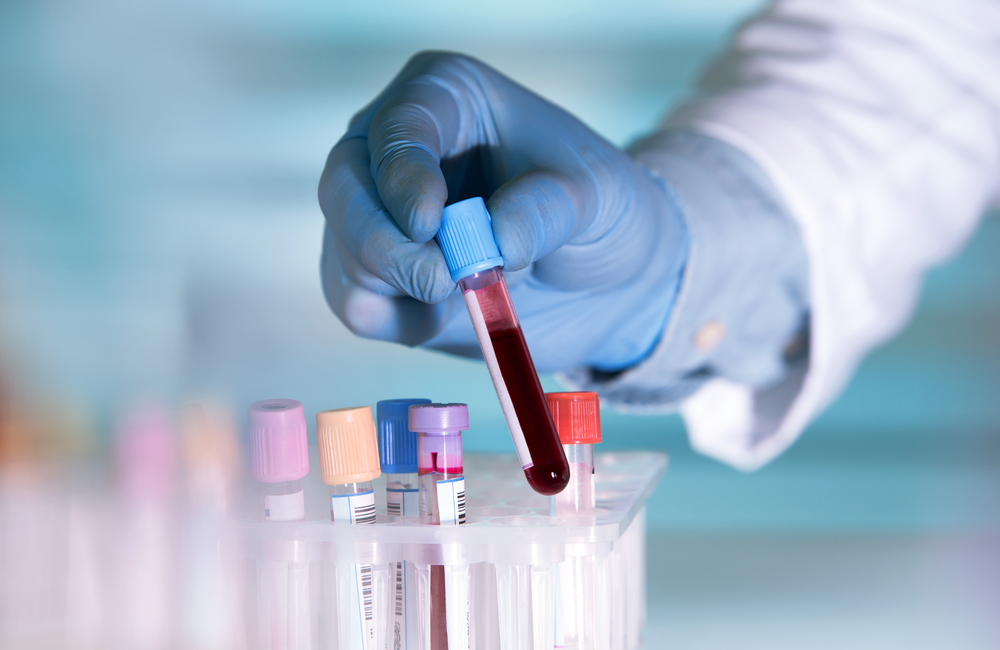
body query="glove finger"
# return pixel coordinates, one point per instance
(579, 237)
(358, 220)
(534, 214)
(400, 319)
(415, 125)
(357, 275)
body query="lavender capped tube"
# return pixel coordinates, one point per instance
(441, 473)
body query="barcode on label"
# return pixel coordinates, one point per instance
(365, 514)
(451, 501)
(402, 502)
(399, 588)
(365, 578)
(398, 640)
(353, 508)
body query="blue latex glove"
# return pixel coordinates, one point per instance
(599, 242)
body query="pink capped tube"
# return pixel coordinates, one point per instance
(466, 239)
(279, 457)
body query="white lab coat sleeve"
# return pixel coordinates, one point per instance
(877, 123)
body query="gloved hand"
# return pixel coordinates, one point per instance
(598, 240)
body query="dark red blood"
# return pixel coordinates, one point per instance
(439, 620)
(549, 472)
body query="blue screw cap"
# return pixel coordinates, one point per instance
(397, 445)
(466, 239)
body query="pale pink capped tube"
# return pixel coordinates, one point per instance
(279, 449)
(145, 451)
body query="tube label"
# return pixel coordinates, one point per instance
(398, 639)
(284, 507)
(451, 501)
(365, 603)
(353, 508)
(490, 356)
(359, 509)
(402, 502)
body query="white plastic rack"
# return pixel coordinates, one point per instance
(515, 577)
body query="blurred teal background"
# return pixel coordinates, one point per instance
(160, 236)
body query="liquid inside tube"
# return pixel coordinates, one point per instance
(439, 465)
(516, 381)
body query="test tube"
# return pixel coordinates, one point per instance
(397, 447)
(210, 601)
(348, 458)
(580, 598)
(279, 457)
(466, 239)
(211, 452)
(442, 502)
(578, 420)
(146, 459)
(279, 460)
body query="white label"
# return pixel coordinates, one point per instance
(362, 605)
(353, 508)
(397, 639)
(451, 501)
(284, 507)
(402, 502)
(490, 356)
(359, 509)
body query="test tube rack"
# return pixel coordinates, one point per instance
(509, 555)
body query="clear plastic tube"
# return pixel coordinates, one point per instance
(284, 585)
(439, 459)
(354, 504)
(578, 497)
(283, 501)
(401, 495)
(576, 585)
(442, 502)
(516, 381)
(402, 500)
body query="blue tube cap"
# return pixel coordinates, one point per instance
(397, 445)
(466, 239)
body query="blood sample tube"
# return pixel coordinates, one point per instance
(348, 459)
(279, 457)
(397, 447)
(579, 605)
(578, 420)
(279, 460)
(466, 239)
(147, 467)
(442, 502)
